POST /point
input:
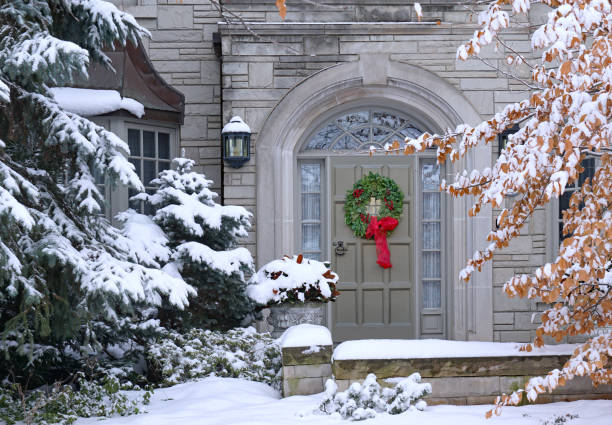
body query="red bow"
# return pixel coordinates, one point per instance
(378, 229)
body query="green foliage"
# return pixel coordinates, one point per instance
(203, 237)
(63, 404)
(238, 353)
(372, 185)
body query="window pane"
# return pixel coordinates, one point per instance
(387, 119)
(163, 165)
(134, 141)
(431, 235)
(311, 206)
(431, 206)
(148, 172)
(163, 145)
(363, 135)
(312, 256)
(345, 142)
(148, 144)
(311, 237)
(353, 119)
(430, 176)
(311, 178)
(380, 134)
(323, 139)
(589, 170)
(136, 163)
(411, 132)
(431, 264)
(432, 294)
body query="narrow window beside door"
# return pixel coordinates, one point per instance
(431, 237)
(311, 210)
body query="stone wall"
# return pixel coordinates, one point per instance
(255, 72)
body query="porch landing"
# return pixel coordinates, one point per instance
(459, 372)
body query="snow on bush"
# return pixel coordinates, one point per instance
(238, 353)
(293, 279)
(363, 401)
(64, 404)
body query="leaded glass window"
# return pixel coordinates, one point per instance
(431, 252)
(360, 129)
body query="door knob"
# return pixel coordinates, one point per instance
(340, 248)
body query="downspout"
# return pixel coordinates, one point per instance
(219, 53)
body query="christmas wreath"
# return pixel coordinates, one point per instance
(389, 199)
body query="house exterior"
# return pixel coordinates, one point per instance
(317, 89)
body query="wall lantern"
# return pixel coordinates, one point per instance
(236, 142)
(502, 138)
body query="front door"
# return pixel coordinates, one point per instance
(373, 302)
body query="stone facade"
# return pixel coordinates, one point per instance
(255, 68)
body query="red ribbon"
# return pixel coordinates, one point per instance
(378, 229)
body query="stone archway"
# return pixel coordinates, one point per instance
(418, 92)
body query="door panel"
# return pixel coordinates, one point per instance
(373, 302)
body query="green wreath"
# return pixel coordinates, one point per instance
(370, 186)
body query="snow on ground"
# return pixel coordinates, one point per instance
(438, 348)
(225, 401)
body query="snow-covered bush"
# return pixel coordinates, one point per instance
(63, 404)
(293, 279)
(363, 401)
(195, 238)
(238, 353)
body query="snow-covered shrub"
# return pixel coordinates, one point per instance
(63, 404)
(194, 238)
(293, 279)
(363, 401)
(238, 353)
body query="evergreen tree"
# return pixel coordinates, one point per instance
(201, 236)
(70, 283)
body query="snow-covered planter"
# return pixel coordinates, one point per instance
(295, 289)
(363, 401)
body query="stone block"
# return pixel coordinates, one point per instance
(378, 47)
(482, 100)
(164, 54)
(256, 117)
(383, 14)
(502, 302)
(194, 128)
(177, 66)
(464, 387)
(197, 93)
(261, 74)
(515, 336)
(235, 68)
(307, 371)
(447, 367)
(503, 318)
(483, 83)
(304, 356)
(303, 386)
(240, 192)
(175, 17)
(210, 72)
(321, 45)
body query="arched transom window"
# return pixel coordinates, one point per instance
(360, 129)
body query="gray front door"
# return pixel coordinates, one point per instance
(373, 302)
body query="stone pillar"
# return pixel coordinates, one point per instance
(306, 367)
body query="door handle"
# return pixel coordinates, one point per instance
(340, 248)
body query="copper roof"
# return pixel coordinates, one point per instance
(136, 78)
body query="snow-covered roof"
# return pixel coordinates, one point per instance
(90, 102)
(438, 348)
(236, 125)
